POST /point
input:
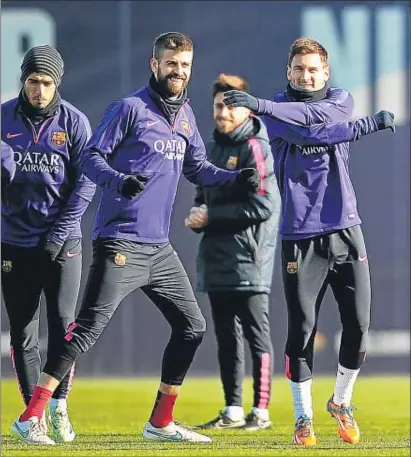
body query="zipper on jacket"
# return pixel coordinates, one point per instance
(36, 136)
(173, 125)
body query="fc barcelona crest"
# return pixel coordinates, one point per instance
(6, 266)
(186, 127)
(292, 267)
(120, 259)
(59, 138)
(232, 162)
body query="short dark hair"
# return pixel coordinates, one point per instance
(224, 82)
(171, 40)
(304, 45)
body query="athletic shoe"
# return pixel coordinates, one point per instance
(347, 425)
(304, 432)
(173, 432)
(254, 422)
(222, 421)
(61, 429)
(31, 431)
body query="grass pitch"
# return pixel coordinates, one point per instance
(109, 415)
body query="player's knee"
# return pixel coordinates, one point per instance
(57, 327)
(59, 322)
(356, 331)
(352, 358)
(304, 324)
(193, 340)
(24, 339)
(200, 335)
(308, 326)
(353, 346)
(361, 339)
(82, 337)
(195, 328)
(201, 325)
(362, 334)
(297, 369)
(262, 352)
(364, 325)
(300, 337)
(194, 335)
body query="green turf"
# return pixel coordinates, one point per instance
(108, 417)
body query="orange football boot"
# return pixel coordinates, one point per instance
(304, 432)
(347, 425)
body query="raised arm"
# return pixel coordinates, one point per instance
(325, 122)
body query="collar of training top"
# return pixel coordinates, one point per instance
(303, 95)
(38, 114)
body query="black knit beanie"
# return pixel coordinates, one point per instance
(43, 59)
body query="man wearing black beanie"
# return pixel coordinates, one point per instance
(43, 59)
(41, 72)
(42, 205)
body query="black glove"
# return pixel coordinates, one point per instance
(249, 180)
(385, 120)
(52, 250)
(237, 98)
(132, 186)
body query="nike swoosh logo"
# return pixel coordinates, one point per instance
(12, 135)
(72, 254)
(362, 259)
(57, 428)
(151, 123)
(23, 433)
(177, 436)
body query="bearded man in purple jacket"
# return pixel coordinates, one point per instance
(137, 154)
(322, 242)
(44, 196)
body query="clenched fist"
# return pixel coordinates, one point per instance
(198, 217)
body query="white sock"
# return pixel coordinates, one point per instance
(262, 413)
(235, 413)
(302, 399)
(61, 403)
(344, 385)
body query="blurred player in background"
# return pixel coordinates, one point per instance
(44, 196)
(137, 154)
(236, 257)
(322, 242)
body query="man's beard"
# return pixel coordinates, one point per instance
(224, 127)
(167, 87)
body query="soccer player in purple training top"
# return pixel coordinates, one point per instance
(137, 154)
(44, 195)
(322, 242)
